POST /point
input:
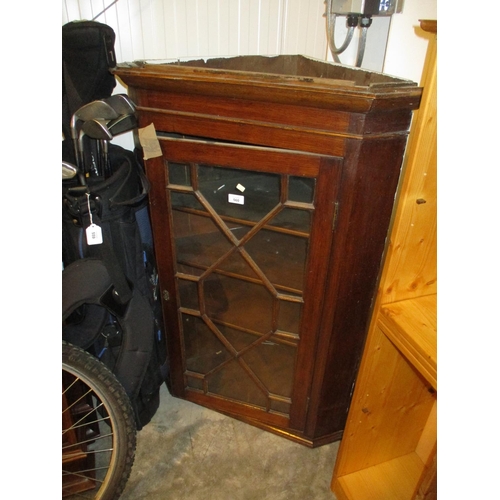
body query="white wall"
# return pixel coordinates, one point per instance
(407, 43)
(162, 29)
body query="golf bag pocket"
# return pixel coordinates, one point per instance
(126, 309)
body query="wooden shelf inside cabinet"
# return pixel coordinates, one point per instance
(391, 432)
(389, 480)
(411, 325)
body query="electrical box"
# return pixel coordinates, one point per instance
(367, 7)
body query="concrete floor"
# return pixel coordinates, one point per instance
(188, 452)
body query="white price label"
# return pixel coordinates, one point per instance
(236, 198)
(94, 235)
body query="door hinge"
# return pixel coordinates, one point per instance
(166, 295)
(335, 215)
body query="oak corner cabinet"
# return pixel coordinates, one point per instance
(389, 447)
(270, 204)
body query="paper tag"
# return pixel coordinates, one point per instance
(149, 142)
(94, 235)
(236, 198)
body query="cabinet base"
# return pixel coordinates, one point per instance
(291, 435)
(391, 480)
(286, 433)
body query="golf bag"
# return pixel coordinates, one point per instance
(88, 54)
(111, 305)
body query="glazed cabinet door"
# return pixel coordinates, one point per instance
(243, 238)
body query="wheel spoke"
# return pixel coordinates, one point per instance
(98, 427)
(81, 473)
(91, 440)
(83, 418)
(85, 424)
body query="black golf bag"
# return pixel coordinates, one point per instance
(87, 56)
(111, 305)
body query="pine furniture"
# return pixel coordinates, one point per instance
(389, 446)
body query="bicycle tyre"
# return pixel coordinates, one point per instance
(99, 430)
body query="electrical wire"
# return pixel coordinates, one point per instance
(352, 21)
(365, 22)
(102, 12)
(361, 46)
(331, 19)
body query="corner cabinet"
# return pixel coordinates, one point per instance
(271, 196)
(389, 446)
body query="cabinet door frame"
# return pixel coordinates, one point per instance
(327, 172)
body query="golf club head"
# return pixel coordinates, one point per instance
(68, 170)
(94, 109)
(122, 124)
(97, 129)
(121, 103)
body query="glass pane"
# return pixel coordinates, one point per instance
(289, 316)
(282, 257)
(214, 296)
(273, 363)
(238, 193)
(188, 294)
(235, 383)
(193, 271)
(185, 200)
(238, 339)
(194, 383)
(301, 189)
(238, 230)
(247, 305)
(293, 219)
(179, 173)
(236, 264)
(198, 241)
(204, 351)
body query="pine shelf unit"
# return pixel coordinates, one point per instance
(389, 446)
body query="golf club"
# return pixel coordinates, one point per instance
(69, 171)
(121, 103)
(122, 124)
(95, 109)
(98, 130)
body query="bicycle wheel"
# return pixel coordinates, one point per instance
(99, 430)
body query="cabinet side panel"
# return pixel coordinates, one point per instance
(411, 269)
(389, 411)
(321, 240)
(370, 178)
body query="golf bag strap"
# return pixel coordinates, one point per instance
(122, 289)
(104, 251)
(87, 281)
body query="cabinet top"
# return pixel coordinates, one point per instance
(429, 25)
(284, 78)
